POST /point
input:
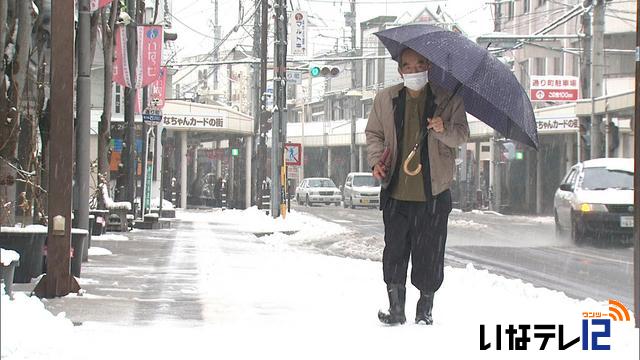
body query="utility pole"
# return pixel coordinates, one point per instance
(83, 114)
(636, 178)
(495, 173)
(216, 42)
(351, 21)
(255, 105)
(585, 76)
(261, 157)
(129, 105)
(597, 74)
(229, 84)
(141, 19)
(278, 130)
(58, 280)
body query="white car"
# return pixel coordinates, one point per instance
(318, 190)
(361, 189)
(596, 198)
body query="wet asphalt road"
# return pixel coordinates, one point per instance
(517, 247)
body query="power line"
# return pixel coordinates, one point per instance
(630, 21)
(192, 29)
(222, 41)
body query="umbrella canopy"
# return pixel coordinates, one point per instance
(489, 89)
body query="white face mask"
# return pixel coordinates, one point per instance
(416, 81)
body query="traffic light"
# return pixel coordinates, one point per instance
(327, 71)
(235, 145)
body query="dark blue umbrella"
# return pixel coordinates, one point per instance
(489, 90)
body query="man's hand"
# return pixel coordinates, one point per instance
(436, 124)
(379, 171)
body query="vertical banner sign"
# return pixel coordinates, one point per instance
(157, 88)
(120, 61)
(147, 187)
(299, 33)
(149, 54)
(98, 4)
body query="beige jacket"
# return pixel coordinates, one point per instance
(381, 132)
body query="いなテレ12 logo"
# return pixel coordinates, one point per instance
(595, 335)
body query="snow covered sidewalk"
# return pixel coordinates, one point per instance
(221, 292)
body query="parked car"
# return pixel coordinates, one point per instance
(595, 199)
(317, 190)
(361, 189)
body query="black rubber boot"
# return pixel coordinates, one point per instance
(423, 309)
(397, 295)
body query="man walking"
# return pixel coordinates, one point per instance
(415, 207)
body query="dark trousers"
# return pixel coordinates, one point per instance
(417, 230)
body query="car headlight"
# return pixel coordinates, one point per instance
(587, 207)
(337, 193)
(356, 194)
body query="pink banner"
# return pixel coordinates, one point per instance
(157, 88)
(97, 4)
(121, 73)
(149, 54)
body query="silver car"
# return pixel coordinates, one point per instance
(595, 199)
(361, 189)
(317, 190)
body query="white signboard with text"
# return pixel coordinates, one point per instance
(298, 37)
(550, 125)
(195, 122)
(554, 88)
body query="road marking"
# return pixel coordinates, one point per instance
(342, 221)
(598, 257)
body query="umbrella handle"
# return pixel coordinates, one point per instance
(405, 165)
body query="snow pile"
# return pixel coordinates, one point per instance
(155, 203)
(98, 251)
(8, 256)
(40, 229)
(299, 226)
(166, 204)
(486, 212)
(110, 237)
(25, 323)
(110, 204)
(467, 224)
(258, 298)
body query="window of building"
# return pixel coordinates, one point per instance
(510, 10)
(524, 74)
(370, 72)
(340, 113)
(539, 66)
(525, 6)
(367, 109)
(541, 2)
(558, 66)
